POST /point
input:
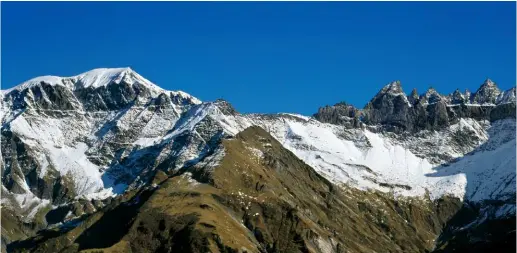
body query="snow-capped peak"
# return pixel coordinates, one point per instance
(100, 77)
(96, 78)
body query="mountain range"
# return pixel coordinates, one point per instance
(107, 161)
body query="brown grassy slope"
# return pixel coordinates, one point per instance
(259, 198)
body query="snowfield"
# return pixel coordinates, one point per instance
(387, 162)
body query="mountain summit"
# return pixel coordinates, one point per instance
(487, 93)
(394, 88)
(94, 78)
(106, 160)
(98, 89)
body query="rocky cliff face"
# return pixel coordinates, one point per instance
(486, 94)
(58, 133)
(395, 111)
(108, 148)
(340, 114)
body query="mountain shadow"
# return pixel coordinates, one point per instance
(486, 221)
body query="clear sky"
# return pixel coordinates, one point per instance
(267, 56)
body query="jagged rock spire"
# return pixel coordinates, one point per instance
(457, 97)
(431, 96)
(413, 97)
(468, 95)
(507, 96)
(392, 88)
(396, 111)
(487, 93)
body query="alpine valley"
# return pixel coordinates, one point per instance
(107, 161)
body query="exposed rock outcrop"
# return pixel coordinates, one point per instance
(394, 111)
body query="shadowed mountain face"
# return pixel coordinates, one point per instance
(108, 161)
(480, 225)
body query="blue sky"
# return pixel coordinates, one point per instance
(267, 56)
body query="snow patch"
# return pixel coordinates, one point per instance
(188, 176)
(256, 152)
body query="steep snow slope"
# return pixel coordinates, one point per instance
(371, 160)
(486, 173)
(51, 140)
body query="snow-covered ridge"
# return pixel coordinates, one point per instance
(94, 78)
(101, 77)
(97, 78)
